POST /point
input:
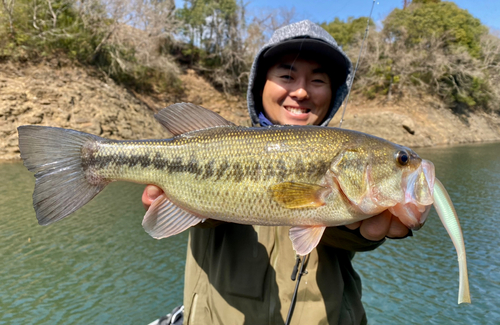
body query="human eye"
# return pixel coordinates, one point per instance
(286, 77)
(320, 79)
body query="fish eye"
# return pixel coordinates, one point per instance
(402, 157)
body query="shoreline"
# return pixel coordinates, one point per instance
(83, 99)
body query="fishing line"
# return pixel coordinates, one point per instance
(302, 261)
(357, 63)
(296, 57)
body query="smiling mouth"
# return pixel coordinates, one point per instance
(297, 110)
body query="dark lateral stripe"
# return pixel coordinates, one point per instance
(220, 170)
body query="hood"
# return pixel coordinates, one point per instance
(305, 35)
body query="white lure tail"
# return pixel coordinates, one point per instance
(449, 218)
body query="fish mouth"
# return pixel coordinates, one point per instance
(297, 109)
(419, 189)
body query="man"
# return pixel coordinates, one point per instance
(240, 274)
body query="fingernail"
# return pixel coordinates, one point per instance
(152, 192)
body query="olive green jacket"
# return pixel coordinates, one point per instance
(238, 274)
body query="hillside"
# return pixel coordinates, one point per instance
(60, 94)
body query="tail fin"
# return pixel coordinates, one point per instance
(55, 156)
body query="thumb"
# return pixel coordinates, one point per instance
(150, 193)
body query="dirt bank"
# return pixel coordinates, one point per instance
(419, 123)
(82, 98)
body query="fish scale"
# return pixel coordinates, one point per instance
(243, 161)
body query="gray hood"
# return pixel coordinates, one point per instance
(306, 30)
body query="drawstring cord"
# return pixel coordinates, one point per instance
(302, 263)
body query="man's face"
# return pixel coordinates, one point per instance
(296, 92)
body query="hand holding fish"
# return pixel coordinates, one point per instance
(150, 194)
(381, 226)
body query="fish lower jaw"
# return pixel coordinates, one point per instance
(411, 215)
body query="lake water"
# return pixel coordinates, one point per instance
(100, 267)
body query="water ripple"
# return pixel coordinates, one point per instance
(99, 266)
(415, 281)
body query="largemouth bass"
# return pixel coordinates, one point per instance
(305, 177)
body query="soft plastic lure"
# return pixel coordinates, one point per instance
(449, 218)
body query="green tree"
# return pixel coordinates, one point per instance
(423, 20)
(426, 1)
(345, 33)
(433, 48)
(121, 37)
(41, 28)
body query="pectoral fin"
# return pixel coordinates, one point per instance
(165, 219)
(293, 195)
(305, 239)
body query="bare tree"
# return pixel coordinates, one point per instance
(490, 65)
(431, 67)
(134, 41)
(8, 6)
(268, 20)
(54, 15)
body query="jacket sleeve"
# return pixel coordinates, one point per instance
(351, 240)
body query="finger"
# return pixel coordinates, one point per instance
(376, 227)
(353, 226)
(150, 193)
(397, 229)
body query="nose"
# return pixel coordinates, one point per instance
(300, 91)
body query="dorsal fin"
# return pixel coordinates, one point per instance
(184, 117)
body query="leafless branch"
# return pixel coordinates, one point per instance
(8, 6)
(54, 16)
(35, 8)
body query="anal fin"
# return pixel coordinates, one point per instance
(164, 219)
(305, 239)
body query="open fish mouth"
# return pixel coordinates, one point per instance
(407, 196)
(419, 189)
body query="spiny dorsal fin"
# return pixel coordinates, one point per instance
(185, 117)
(295, 195)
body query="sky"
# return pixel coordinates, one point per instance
(488, 11)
